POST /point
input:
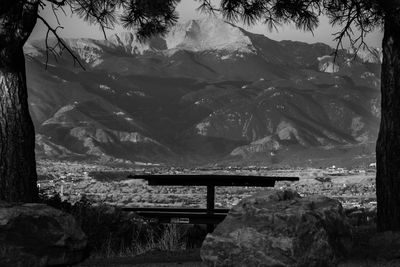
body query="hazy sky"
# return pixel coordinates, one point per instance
(74, 27)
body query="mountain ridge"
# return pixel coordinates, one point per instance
(190, 96)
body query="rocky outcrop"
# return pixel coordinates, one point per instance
(279, 228)
(38, 235)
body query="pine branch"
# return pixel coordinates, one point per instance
(59, 43)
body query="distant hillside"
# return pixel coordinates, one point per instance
(207, 91)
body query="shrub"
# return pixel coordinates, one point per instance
(113, 232)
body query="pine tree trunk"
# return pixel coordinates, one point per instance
(17, 137)
(388, 145)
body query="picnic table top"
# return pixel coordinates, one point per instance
(212, 179)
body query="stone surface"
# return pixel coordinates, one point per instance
(38, 235)
(279, 228)
(385, 245)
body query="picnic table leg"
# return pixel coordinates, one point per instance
(210, 205)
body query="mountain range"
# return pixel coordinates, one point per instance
(206, 92)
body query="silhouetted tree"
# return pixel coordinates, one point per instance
(148, 17)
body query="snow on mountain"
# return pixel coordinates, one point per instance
(370, 55)
(87, 50)
(131, 45)
(195, 35)
(208, 34)
(327, 64)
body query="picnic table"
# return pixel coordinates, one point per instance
(210, 215)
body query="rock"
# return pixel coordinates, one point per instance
(385, 245)
(279, 228)
(38, 235)
(360, 216)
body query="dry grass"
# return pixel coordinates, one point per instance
(114, 233)
(172, 238)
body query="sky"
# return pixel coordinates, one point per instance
(76, 28)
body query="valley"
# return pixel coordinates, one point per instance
(108, 185)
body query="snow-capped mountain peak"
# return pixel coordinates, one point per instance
(194, 35)
(208, 34)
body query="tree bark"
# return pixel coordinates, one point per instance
(388, 144)
(18, 176)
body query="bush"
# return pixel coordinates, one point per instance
(113, 232)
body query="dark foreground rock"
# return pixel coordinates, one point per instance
(38, 235)
(385, 245)
(279, 228)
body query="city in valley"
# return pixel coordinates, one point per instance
(354, 188)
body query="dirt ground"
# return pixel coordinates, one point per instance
(184, 261)
(156, 264)
(185, 258)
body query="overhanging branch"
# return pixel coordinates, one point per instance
(60, 43)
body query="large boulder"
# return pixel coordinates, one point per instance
(280, 228)
(38, 235)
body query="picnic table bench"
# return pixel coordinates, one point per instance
(210, 215)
